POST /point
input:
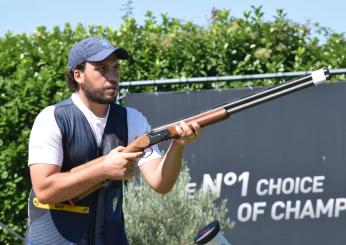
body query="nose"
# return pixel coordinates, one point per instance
(113, 76)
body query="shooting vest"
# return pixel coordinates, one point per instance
(65, 224)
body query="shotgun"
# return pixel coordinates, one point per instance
(217, 114)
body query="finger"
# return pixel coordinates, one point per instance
(196, 128)
(186, 129)
(131, 155)
(179, 129)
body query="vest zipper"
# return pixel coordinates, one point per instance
(98, 151)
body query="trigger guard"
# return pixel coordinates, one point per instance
(148, 154)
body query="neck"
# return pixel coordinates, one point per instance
(100, 110)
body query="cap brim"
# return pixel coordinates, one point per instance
(120, 53)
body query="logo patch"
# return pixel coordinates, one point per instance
(106, 44)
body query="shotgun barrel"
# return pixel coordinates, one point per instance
(222, 112)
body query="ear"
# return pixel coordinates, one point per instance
(78, 76)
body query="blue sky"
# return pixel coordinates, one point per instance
(21, 16)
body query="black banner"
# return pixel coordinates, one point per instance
(281, 165)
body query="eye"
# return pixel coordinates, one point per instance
(101, 68)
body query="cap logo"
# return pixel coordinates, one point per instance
(105, 44)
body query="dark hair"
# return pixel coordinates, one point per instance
(73, 85)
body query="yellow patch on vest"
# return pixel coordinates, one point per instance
(61, 207)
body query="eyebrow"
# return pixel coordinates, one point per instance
(102, 63)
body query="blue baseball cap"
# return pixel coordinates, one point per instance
(93, 49)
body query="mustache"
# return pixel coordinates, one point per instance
(113, 86)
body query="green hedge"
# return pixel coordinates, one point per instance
(32, 69)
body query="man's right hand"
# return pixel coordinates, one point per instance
(120, 165)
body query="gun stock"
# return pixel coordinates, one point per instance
(220, 113)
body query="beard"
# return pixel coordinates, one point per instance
(96, 95)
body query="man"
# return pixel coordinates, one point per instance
(66, 142)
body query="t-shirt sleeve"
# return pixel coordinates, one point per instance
(45, 144)
(138, 125)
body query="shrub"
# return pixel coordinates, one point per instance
(171, 219)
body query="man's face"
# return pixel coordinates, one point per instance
(100, 80)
